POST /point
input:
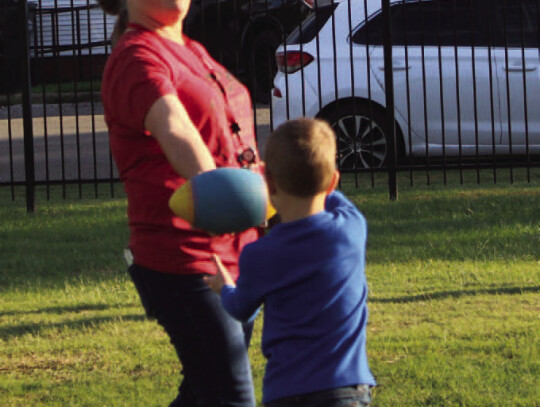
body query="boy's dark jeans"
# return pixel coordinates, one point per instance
(211, 345)
(353, 396)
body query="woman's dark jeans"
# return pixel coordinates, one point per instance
(211, 345)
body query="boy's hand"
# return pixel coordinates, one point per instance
(221, 278)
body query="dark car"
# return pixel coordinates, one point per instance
(11, 49)
(244, 34)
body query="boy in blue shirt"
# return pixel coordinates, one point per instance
(308, 271)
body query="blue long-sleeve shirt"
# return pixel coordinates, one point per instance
(309, 274)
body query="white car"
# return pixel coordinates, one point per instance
(466, 77)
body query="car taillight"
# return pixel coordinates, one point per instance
(309, 3)
(292, 61)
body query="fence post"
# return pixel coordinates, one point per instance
(27, 107)
(390, 129)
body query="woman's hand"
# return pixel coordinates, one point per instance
(221, 278)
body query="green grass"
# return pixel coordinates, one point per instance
(68, 87)
(454, 276)
(54, 92)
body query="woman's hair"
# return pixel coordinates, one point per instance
(113, 7)
(116, 8)
(300, 155)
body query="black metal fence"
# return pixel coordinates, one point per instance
(463, 77)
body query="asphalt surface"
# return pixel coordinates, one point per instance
(70, 142)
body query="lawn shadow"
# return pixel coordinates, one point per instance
(62, 310)
(10, 331)
(456, 294)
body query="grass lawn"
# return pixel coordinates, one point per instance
(454, 276)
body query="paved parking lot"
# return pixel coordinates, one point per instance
(70, 142)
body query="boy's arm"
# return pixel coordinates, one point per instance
(338, 204)
(335, 200)
(237, 301)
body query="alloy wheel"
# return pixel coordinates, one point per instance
(361, 142)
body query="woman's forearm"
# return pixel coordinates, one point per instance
(168, 121)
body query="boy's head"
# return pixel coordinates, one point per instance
(300, 157)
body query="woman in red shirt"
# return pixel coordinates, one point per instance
(172, 113)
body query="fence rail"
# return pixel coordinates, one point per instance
(409, 86)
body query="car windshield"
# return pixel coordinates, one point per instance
(308, 29)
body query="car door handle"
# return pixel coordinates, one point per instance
(520, 68)
(397, 67)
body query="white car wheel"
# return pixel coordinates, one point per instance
(360, 136)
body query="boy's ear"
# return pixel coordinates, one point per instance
(334, 183)
(270, 181)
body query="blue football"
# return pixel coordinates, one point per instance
(228, 200)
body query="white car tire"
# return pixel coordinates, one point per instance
(361, 138)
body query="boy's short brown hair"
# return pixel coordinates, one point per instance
(300, 155)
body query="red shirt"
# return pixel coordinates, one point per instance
(142, 68)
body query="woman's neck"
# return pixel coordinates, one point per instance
(172, 32)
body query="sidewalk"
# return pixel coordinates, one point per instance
(70, 141)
